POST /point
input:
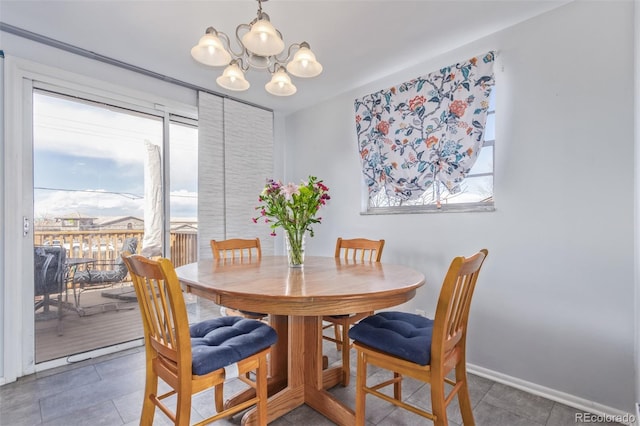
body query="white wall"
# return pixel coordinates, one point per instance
(554, 306)
(2, 233)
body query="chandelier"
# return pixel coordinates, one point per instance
(261, 48)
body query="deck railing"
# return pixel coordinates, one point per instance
(105, 245)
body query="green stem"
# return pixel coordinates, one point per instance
(295, 246)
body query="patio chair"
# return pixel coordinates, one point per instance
(103, 275)
(424, 349)
(356, 249)
(191, 359)
(49, 280)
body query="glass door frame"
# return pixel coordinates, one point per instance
(21, 76)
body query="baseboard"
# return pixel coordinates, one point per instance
(555, 395)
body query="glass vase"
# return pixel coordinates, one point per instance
(295, 248)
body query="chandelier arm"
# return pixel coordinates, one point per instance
(223, 37)
(278, 62)
(243, 51)
(244, 65)
(274, 66)
(284, 60)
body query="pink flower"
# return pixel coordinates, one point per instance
(291, 206)
(290, 190)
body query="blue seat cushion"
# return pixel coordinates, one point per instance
(407, 336)
(219, 342)
(91, 276)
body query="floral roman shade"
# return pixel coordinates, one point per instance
(429, 129)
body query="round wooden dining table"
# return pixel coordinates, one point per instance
(296, 299)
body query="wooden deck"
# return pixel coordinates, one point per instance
(106, 322)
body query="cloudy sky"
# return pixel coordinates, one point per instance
(90, 160)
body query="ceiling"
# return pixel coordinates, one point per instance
(356, 41)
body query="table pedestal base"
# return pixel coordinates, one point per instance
(306, 381)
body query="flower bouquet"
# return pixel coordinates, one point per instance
(294, 208)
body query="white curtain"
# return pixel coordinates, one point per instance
(152, 242)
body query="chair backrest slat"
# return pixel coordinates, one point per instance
(164, 314)
(237, 249)
(452, 312)
(359, 249)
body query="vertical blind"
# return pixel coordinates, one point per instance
(235, 157)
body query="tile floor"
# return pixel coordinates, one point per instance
(108, 391)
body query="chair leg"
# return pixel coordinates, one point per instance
(219, 397)
(183, 405)
(75, 295)
(438, 406)
(361, 382)
(261, 390)
(346, 352)
(336, 332)
(397, 386)
(60, 326)
(148, 407)
(463, 396)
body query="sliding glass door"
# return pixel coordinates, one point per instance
(98, 190)
(89, 168)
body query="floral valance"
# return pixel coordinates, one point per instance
(425, 130)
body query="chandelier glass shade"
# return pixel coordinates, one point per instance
(262, 48)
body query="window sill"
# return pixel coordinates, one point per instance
(460, 208)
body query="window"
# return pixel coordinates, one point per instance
(427, 144)
(476, 191)
(183, 194)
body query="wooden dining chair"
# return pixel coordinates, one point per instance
(194, 358)
(238, 250)
(424, 349)
(356, 249)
